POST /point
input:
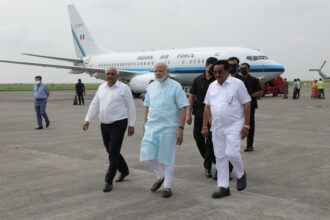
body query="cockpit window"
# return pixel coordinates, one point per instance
(249, 58)
(255, 58)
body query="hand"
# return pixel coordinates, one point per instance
(85, 126)
(205, 132)
(189, 120)
(179, 136)
(244, 132)
(130, 130)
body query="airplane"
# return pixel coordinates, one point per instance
(323, 76)
(136, 68)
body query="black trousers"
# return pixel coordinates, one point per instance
(250, 137)
(113, 136)
(81, 98)
(205, 148)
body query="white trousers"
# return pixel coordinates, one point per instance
(166, 172)
(227, 145)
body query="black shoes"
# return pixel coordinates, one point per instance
(248, 149)
(166, 193)
(221, 193)
(241, 183)
(39, 128)
(122, 177)
(208, 173)
(215, 175)
(47, 123)
(108, 187)
(157, 185)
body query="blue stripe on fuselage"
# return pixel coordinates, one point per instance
(182, 70)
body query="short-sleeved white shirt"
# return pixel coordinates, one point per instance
(226, 104)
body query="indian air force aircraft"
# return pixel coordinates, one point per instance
(136, 68)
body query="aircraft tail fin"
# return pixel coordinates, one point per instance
(323, 76)
(83, 40)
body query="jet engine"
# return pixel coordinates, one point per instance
(139, 83)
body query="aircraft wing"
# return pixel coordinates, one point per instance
(123, 74)
(78, 68)
(54, 58)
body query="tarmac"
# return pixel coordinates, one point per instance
(58, 172)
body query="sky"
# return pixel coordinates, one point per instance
(294, 33)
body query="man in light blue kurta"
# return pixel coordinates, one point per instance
(165, 113)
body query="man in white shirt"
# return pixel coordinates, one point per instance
(227, 104)
(115, 105)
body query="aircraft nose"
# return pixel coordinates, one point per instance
(275, 66)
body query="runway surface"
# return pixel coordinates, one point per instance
(58, 173)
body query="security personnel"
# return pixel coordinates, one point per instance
(255, 93)
(320, 88)
(196, 107)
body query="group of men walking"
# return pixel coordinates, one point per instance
(220, 102)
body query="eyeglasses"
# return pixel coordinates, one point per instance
(216, 72)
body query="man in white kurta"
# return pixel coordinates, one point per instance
(165, 114)
(227, 105)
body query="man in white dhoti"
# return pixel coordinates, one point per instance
(165, 114)
(227, 105)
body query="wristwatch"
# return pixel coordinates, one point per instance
(181, 127)
(247, 126)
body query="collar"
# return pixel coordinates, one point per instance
(114, 85)
(227, 81)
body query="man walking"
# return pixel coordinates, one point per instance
(254, 93)
(165, 115)
(196, 107)
(115, 105)
(41, 93)
(227, 103)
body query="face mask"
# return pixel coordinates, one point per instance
(244, 71)
(211, 69)
(38, 82)
(233, 68)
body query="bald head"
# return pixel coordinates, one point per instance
(111, 69)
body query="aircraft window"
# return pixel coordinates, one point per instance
(203, 61)
(182, 61)
(199, 61)
(194, 61)
(190, 62)
(148, 63)
(255, 58)
(152, 63)
(249, 58)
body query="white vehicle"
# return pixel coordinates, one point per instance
(323, 75)
(136, 68)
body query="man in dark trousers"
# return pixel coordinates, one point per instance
(80, 91)
(40, 93)
(115, 105)
(255, 92)
(196, 106)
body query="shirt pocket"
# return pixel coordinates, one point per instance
(229, 97)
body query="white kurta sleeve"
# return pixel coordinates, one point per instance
(242, 94)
